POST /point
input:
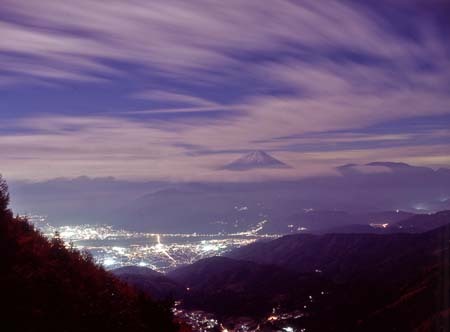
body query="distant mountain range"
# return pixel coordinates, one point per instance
(358, 195)
(255, 160)
(346, 257)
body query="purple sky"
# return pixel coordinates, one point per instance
(172, 90)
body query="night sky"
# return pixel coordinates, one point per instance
(174, 90)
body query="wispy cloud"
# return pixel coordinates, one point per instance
(298, 70)
(173, 97)
(177, 103)
(182, 38)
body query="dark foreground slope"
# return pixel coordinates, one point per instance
(236, 288)
(151, 282)
(391, 282)
(46, 287)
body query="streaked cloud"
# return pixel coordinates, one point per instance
(204, 81)
(172, 97)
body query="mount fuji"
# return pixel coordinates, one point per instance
(253, 160)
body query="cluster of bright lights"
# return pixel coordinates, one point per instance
(379, 225)
(198, 320)
(206, 322)
(115, 248)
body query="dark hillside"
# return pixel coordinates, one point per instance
(156, 284)
(350, 257)
(231, 287)
(390, 282)
(46, 287)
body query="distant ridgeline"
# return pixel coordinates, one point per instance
(46, 287)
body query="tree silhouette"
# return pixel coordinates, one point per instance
(4, 195)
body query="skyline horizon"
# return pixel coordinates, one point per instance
(370, 167)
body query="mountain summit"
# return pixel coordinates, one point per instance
(255, 159)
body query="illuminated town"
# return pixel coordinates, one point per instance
(114, 248)
(206, 322)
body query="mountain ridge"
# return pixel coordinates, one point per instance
(255, 160)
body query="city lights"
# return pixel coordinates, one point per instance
(114, 248)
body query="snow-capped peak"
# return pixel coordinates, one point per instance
(255, 159)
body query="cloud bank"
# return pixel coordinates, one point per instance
(316, 85)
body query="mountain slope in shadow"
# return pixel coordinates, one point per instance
(230, 287)
(45, 286)
(156, 284)
(345, 257)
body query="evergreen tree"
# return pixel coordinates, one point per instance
(4, 196)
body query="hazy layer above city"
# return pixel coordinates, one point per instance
(314, 203)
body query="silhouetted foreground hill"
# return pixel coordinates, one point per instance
(230, 287)
(149, 281)
(46, 287)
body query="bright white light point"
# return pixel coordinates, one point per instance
(158, 245)
(120, 250)
(108, 261)
(67, 234)
(142, 264)
(209, 247)
(288, 329)
(160, 248)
